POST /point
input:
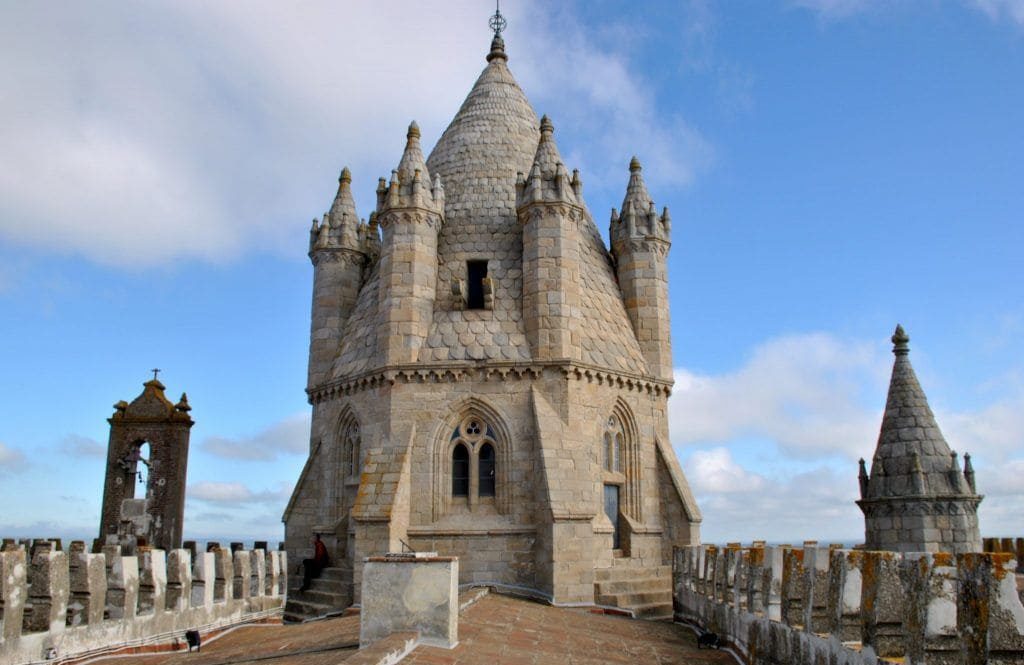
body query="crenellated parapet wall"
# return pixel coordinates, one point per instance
(815, 605)
(60, 604)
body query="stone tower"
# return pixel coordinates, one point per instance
(916, 499)
(151, 425)
(481, 386)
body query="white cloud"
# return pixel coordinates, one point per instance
(288, 437)
(813, 404)
(82, 446)
(138, 135)
(833, 9)
(10, 458)
(135, 135)
(805, 392)
(999, 9)
(588, 83)
(235, 493)
(741, 504)
(715, 471)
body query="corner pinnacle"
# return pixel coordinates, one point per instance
(900, 340)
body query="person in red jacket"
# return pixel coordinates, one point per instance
(312, 567)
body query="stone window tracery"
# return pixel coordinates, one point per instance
(351, 450)
(614, 439)
(620, 458)
(472, 466)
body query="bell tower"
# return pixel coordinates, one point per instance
(147, 455)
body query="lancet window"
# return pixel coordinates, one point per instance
(620, 459)
(350, 450)
(614, 440)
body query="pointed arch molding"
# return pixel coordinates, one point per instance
(444, 445)
(632, 462)
(341, 455)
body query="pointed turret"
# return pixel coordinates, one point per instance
(551, 214)
(914, 474)
(548, 179)
(411, 185)
(410, 214)
(338, 250)
(640, 243)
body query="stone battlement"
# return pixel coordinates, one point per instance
(61, 604)
(819, 604)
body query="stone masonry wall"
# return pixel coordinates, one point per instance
(76, 603)
(815, 605)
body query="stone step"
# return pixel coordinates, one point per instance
(628, 586)
(632, 600)
(338, 574)
(634, 572)
(314, 595)
(305, 608)
(653, 611)
(330, 586)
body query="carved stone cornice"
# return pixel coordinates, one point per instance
(539, 210)
(449, 372)
(962, 504)
(337, 255)
(424, 216)
(649, 244)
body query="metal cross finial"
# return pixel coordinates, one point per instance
(155, 371)
(497, 21)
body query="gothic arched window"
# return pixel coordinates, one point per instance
(473, 460)
(350, 449)
(614, 440)
(460, 471)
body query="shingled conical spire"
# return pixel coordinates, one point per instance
(410, 184)
(548, 179)
(341, 227)
(913, 465)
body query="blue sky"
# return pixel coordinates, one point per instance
(833, 167)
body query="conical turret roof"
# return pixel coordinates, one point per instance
(912, 455)
(492, 137)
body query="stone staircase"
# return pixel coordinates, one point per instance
(329, 593)
(645, 591)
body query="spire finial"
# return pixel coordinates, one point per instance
(634, 165)
(546, 127)
(900, 339)
(346, 175)
(414, 131)
(497, 22)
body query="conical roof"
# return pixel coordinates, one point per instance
(492, 137)
(912, 455)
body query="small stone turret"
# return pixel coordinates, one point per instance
(916, 498)
(640, 240)
(410, 213)
(339, 247)
(550, 212)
